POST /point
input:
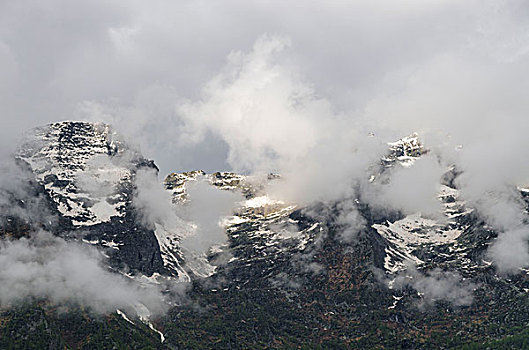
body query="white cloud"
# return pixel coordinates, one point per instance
(410, 189)
(206, 208)
(46, 266)
(438, 285)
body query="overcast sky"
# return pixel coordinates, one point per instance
(149, 68)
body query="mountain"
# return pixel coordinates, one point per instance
(88, 175)
(286, 276)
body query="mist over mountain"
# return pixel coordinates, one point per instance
(87, 225)
(250, 175)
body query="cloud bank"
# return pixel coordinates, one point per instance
(48, 267)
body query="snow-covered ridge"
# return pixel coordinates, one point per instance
(81, 166)
(247, 185)
(405, 150)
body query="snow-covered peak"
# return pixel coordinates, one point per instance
(405, 150)
(83, 167)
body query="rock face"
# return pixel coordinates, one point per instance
(88, 175)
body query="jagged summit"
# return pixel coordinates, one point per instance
(405, 150)
(248, 186)
(87, 171)
(58, 153)
(84, 167)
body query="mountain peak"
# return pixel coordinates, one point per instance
(405, 150)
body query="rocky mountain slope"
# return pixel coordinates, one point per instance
(287, 276)
(88, 176)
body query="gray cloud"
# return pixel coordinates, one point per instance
(133, 57)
